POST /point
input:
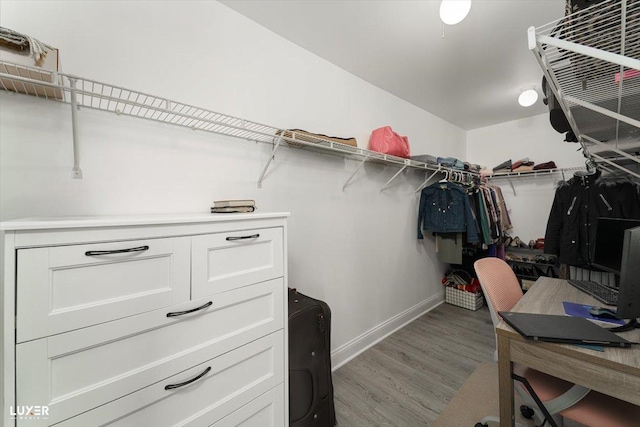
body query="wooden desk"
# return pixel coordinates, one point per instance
(615, 372)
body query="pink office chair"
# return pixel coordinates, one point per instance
(558, 398)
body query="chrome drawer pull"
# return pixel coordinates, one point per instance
(117, 251)
(253, 236)
(180, 313)
(172, 386)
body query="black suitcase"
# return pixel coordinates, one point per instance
(310, 385)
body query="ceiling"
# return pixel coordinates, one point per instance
(472, 77)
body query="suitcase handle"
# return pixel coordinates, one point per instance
(117, 251)
(180, 313)
(172, 386)
(253, 236)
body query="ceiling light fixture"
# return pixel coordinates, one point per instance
(454, 11)
(528, 97)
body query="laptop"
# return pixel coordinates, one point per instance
(561, 329)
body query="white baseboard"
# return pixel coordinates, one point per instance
(353, 348)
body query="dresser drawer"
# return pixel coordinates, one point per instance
(64, 288)
(225, 261)
(81, 370)
(265, 411)
(212, 390)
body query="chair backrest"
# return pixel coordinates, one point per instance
(499, 285)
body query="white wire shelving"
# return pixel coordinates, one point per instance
(590, 61)
(533, 174)
(82, 92)
(87, 93)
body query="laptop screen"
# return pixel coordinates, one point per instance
(609, 239)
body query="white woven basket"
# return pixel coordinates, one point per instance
(463, 299)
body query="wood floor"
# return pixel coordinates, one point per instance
(408, 378)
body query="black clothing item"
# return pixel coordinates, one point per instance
(571, 229)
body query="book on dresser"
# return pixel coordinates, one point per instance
(233, 203)
(230, 209)
(233, 206)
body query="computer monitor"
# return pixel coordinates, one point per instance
(629, 290)
(609, 241)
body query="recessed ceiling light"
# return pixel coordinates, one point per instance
(454, 11)
(528, 97)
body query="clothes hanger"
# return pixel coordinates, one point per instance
(591, 169)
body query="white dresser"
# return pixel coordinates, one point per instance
(145, 321)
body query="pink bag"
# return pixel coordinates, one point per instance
(385, 140)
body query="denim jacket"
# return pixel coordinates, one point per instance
(445, 208)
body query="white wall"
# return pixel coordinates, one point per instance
(533, 138)
(355, 249)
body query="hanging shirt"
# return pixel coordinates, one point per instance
(505, 220)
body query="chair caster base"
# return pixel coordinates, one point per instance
(481, 425)
(526, 412)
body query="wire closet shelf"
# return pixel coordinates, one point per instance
(590, 61)
(538, 172)
(83, 92)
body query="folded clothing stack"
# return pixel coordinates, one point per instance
(548, 165)
(294, 135)
(448, 162)
(522, 165)
(503, 167)
(425, 158)
(451, 162)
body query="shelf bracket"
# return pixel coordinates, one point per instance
(424, 184)
(77, 172)
(393, 177)
(355, 172)
(511, 183)
(271, 157)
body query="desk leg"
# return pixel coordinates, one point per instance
(505, 369)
